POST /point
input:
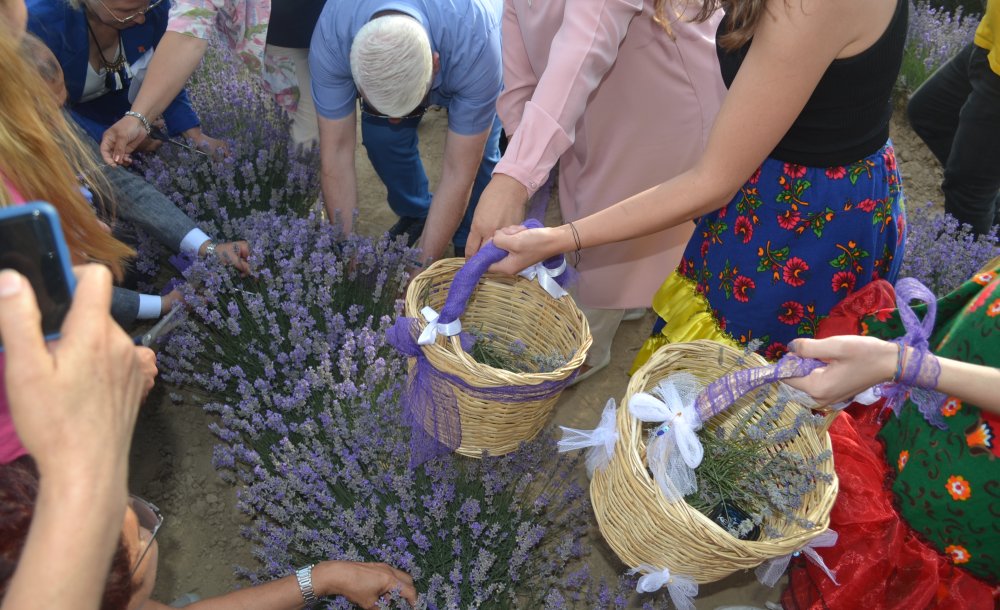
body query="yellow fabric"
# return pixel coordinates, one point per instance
(986, 33)
(688, 318)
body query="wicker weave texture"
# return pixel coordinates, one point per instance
(642, 527)
(509, 307)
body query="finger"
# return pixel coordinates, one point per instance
(109, 148)
(402, 576)
(21, 326)
(91, 302)
(243, 248)
(511, 230)
(473, 244)
(409, 592)
(810, 348)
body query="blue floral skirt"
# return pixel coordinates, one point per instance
(792, 243)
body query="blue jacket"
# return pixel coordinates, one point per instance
(64, 31)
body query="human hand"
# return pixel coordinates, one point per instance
(73, 403)
(205, 143)
(854, 364)
(526, 247)
(121, 139)
(501, 204)
(232, 254)
(170, 299)
(363, 584)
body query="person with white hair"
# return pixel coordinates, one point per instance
(394, 59)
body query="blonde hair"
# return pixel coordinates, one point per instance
(41, 157)
(391, 63)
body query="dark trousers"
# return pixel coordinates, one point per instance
(957, 113)
(393, 152)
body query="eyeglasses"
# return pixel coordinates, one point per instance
(133, 16)
(416, 113)
(150, 519)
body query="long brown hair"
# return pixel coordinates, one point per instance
(743, 17)
(41, 157)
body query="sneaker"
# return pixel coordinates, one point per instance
(410, 226)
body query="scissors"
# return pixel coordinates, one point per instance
(158, 134)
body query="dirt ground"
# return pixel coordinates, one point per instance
(200, 541)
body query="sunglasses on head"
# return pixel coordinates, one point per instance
(367, 109)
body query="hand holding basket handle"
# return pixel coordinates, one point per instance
(548, 274)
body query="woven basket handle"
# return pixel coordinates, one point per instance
(724, 392)
(467, 278)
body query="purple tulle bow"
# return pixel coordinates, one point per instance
(922, 368)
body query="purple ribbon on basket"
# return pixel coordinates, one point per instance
(724, 392)
(920, 374)
(428, 402)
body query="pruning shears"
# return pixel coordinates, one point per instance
(157, 133)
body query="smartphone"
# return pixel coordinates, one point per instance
(32, 243)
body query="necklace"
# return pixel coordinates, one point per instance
(117, 73)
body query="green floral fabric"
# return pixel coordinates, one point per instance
(947, 482)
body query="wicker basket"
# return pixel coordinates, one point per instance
(642, 527)
(510, 307)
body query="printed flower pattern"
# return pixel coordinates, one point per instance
(793, 242)
(958, 487)
(951, 406)
(904, 457)
(791, 312)
(994, 309)
(958, 554)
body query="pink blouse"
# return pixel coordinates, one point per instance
(10, 445)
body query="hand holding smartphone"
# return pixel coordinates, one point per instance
(32, 243)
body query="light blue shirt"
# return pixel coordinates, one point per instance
(464, 33)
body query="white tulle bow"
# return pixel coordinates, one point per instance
(673, 451)
(547, 278)
(682, 589)
(771, 570)
(433, 328)
(600, 442)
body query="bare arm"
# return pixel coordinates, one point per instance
(361, 583)
(858, 363)
(74, 406)
(767, 95)
(337, 140)
(176, 58)
(462, 157)
(549, 104)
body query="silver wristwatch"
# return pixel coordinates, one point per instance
(305, 577)
(210, 249)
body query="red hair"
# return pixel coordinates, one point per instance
(18, 491)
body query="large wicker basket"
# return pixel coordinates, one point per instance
(642, 527)
(509, 307)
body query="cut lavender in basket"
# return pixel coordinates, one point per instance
(747, 480)
(513, 355)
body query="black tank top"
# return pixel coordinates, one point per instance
(847, 116)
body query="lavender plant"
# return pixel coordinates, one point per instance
(261, 170)
(294, 363)
(941, 252)
(934, 36)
